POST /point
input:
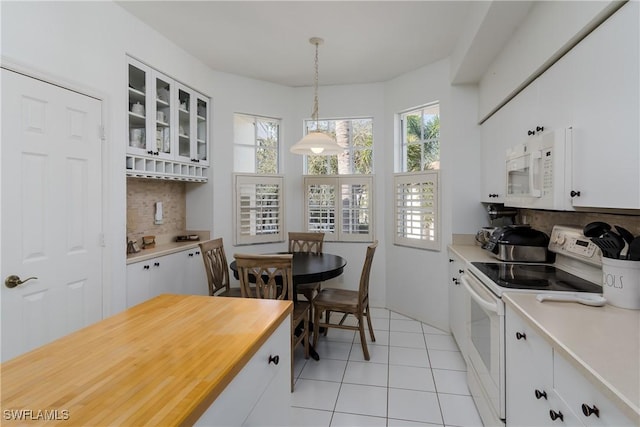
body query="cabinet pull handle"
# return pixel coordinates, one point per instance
(539, 128)
(531, 132)
(197, 252)
(156, 264)
(521, 336)
(460, 271)
(146, 267)
(274, 359)
(190, 253)
(541, 394)
(574, 193)
(588, 410)
(450, 260)
(556, 415)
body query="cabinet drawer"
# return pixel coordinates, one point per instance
(577, 391)
(253, 384)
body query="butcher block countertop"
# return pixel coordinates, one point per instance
(162, 362)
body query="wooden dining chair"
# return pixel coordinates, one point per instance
(347, 302)
(273, 277)
(309, 243)
(217, 269)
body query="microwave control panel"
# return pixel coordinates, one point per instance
(547, 171)
(570, 241)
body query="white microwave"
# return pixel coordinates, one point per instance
(538, 170)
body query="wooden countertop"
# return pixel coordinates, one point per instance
(162, 362)
(603, 343)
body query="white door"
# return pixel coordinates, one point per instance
(51, 212)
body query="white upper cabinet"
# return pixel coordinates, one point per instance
(168, 127)
(594, 89)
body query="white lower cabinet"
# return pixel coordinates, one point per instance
(458, 303)
(260, 394)
(590, 405)
(177, 273)
(544, 389)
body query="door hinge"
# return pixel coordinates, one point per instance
(101, 240)
(102, 133)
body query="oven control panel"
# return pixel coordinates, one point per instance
(569, 241)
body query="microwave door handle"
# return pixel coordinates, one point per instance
(534, 158)
(490, 306)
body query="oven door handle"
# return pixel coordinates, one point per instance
(490, 306)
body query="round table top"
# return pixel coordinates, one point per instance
(311, 268)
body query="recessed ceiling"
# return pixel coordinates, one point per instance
(364, 41)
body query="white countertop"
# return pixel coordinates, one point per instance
(603, 343)
(160, 250)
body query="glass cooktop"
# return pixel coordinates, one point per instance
(535, 277)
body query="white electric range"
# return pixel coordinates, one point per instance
(577, 270)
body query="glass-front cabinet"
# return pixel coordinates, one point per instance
(168, 127)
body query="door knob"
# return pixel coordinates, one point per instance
(13, 281)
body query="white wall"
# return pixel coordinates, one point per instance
(417, 280)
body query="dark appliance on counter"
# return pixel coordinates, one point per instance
(518, 243)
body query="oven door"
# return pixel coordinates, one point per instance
(485, 370)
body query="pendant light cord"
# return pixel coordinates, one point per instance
(314, 115)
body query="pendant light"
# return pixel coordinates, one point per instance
(316, 142)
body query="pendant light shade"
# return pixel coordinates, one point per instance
(316, 142)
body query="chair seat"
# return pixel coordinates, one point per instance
(337, 299)
(299, 310)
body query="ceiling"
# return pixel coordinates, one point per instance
(364, 41)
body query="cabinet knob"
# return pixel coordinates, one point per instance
(539, 128)
(541, 394)
(531, 132)
(521, 336)
(556, 415)
(274, 359)
(574, 193)
(588, 410)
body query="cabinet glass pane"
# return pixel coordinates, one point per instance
(202, 130)
(184, 124)
(163, 116)
(137, 103)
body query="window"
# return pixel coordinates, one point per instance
(256, 144)
(258, 209)
(339, 188)
(355, 135)
(340, 206)
(417, 210)
(420, 139)
(417, 191)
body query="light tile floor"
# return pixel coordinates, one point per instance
(415, 377)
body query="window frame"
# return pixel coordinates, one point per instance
(417, 178)
(309, 125)
(404, 144)
(254, 145)
(337, 181)
(240, 180)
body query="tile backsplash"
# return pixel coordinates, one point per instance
(545, 220)
(142, 195)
